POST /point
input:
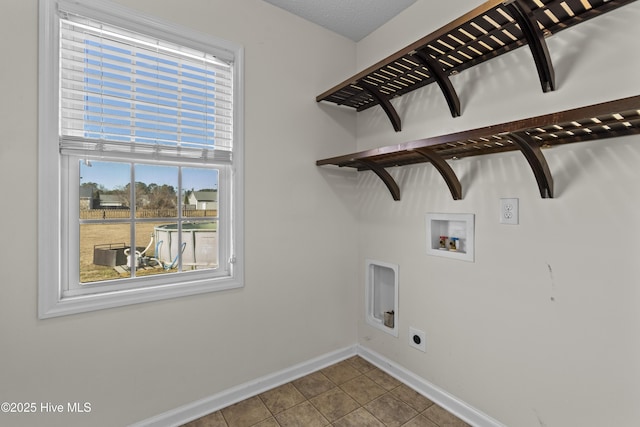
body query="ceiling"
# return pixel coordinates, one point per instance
(353, 19)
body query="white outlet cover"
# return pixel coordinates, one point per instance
(420, 336)
(509, 211)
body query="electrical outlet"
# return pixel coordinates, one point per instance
(508, 211)
(417, 339)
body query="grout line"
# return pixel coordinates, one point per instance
(364, 371)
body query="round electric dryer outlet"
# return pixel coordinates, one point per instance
(417, 339)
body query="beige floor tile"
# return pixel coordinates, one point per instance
(390, 410)
(341, 372)
(302, 415)
(269, 422)
(411, 397)
(358, 418)
(443, 418)
(313, 384)
(281, 398)
(212, 420)
(362, 389)
(383, 379)
(360, 364)
(246, 413)
(334, 404)
(351, 393)
(420, 421)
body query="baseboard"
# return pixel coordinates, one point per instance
(449, 402)
(200, 408)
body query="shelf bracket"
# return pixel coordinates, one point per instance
(443, 81)
(445, 170)
(532, 33)
(384, 103)
(384, 176)
(532, 152)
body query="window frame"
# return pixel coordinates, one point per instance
(55, 197)
(76, 288)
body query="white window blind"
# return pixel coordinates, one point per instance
(127, 95)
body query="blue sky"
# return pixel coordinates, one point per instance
(168, 96)
(112, 175)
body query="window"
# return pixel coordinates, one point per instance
(140, 159)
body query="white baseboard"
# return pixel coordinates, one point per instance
(200, 408)
(449, 402)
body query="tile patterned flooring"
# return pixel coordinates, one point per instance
(351, 393)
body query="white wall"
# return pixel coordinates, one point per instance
(542, 329)
(136, 362)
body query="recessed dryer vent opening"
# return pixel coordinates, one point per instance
(381, 292)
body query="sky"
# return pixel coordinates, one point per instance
(112, 175)
(166, 94)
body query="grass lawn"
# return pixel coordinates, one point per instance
(100, 234)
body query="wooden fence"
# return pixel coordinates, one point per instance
(146, 213)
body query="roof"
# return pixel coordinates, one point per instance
(86, 191)
(206, 196)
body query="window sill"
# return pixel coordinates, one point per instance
(60, 305)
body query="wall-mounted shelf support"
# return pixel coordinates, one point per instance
(445, 170)
(535, 38)
(600, 121)
(533, 153)
(443, 81)
(385, 177)
(384, 103)
(492, 29)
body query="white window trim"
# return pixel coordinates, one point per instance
(51, 246)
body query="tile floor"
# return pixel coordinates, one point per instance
(351, 393)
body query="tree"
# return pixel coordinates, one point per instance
(162, 197)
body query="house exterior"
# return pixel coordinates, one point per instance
(110, 201)
(87, 197)
(203, 200)
(91, 198)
